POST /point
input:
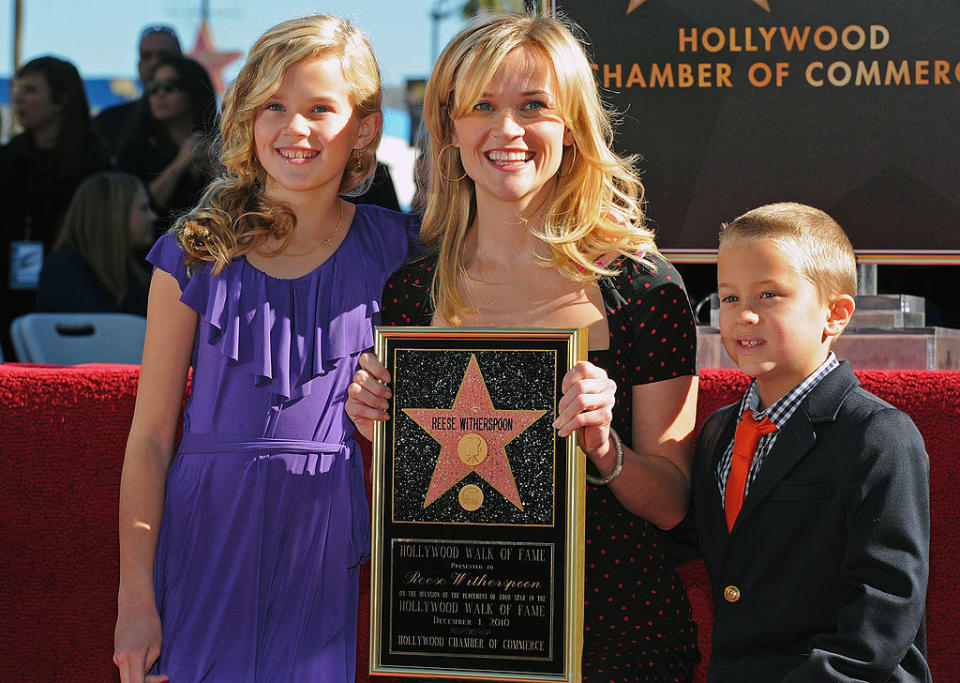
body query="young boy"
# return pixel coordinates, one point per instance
(815, 535)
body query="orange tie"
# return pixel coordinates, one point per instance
(745, 443)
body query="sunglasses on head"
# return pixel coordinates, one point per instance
(159, 28)
(164, 86)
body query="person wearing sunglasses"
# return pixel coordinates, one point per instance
(168, 144)
(156, 42)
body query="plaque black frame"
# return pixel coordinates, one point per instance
(539, 545)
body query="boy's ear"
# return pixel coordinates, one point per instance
(369, 125)
(841, 311)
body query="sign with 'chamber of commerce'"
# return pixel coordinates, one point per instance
(851, 106)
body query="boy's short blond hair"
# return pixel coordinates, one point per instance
(818, 247)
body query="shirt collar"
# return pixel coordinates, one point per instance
(781, 411)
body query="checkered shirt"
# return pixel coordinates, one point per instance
(779, 413)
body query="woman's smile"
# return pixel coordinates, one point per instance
(511, 140)
(507, 159)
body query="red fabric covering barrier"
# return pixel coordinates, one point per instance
(64, 430)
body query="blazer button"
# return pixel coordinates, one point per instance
(731, 593)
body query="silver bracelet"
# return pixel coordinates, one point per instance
(617, 469)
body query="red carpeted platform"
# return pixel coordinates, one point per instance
(63, 434)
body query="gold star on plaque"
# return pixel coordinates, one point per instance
(634, 4)
(472, 436)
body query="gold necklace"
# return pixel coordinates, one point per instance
(324, 243)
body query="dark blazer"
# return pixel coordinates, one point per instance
(824, 574)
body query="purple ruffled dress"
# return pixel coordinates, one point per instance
(265, 520)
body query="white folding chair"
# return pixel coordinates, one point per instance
(72, 338)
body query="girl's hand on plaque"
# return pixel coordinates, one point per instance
(368, 395)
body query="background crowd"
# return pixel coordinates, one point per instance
(167, 139)
(86, 197)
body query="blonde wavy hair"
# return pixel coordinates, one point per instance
(96, 227)
(235, 215)
(596, 207)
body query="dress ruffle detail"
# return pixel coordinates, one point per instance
(286, 332)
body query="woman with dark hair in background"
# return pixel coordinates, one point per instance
(39, 170)
(169, 143)
(93, 268)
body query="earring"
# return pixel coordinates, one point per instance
(560, 174)
(449, 180)
(359, 159)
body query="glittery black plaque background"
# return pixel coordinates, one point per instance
(516, 380)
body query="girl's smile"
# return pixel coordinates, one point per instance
(298, 154)
(306, 132)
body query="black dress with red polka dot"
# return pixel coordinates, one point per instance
(638, 624)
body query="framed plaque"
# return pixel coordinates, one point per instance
(478, 508)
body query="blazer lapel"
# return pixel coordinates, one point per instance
(798, 436)
(795, 439)
(709, 492)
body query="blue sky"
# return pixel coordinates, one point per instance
(100, 36)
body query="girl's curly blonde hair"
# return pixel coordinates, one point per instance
(235, 215)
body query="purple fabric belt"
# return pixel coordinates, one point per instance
(301, 457)
(220, 443)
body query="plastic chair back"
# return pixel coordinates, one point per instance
(72, 338)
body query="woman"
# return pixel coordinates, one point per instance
(93, 267)
(168, 144)
(40, 168)
(533, 221)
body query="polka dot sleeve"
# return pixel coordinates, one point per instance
(657, 315)
(406, 296)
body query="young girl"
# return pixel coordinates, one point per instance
(244, 568)
(92, 268)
